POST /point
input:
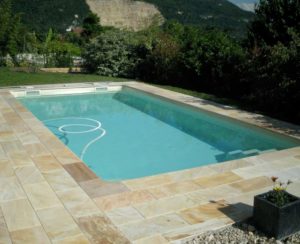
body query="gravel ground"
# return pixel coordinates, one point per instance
(242, 233)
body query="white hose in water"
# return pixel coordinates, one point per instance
(63, 129)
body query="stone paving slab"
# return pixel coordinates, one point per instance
(31, 235)
(48, 195)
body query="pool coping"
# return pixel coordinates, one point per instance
(135, 194)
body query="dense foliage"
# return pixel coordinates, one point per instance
(57, 52)
(276, 21)
(91, 27)
(10, 29)
(272, 73)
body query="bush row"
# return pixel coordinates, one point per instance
(262, 76)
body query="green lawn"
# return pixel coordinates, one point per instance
(9, 77)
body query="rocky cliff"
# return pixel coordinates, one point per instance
(125, 14)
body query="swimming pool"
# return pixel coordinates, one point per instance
(129, 134)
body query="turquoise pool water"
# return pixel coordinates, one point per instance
(130, 134)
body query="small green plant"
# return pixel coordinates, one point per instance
(278, 195)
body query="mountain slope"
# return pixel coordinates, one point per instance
(216, 13)
(247, 5)
(40, 15)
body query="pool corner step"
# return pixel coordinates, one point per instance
(33, 93)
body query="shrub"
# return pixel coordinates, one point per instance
(160, 61)
(214, 59)
(112, 53)
(273, 70)
(273, 80)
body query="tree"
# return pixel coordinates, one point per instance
(175, 29)
(91, 26)
(5, 20)
(161, 60)
(58, 52)
(31, 43)
(212, 60)
(62, 53)
(274, 22)
(46, 47)
(272, 73)
(9, 31)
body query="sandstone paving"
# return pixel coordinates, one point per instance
(36, 149)
(46, 163)
(6, 169)
(213, 193)
(99, 229)
(157, 239)
(172, 189)
(80, 172)
(19, 214)
(294, 188)
(29, 175)
(235, 164)
(2, 153)
(123, 199)
(4, 233)
(59, 180)
(77, 239)
(77, 202)
(41, 195)
(148, 182)
(192, 230)
(165, 205)
(13, 148)
(30, 235)
(20, 158)
(28, 138)
(98, 188)
(11, 189)
(57, 223)
(189, 174)
(124, 215)
(151, 226)
(289, 174)
(218, 179)
(252, 184)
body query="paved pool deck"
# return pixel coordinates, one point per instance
(48, 195)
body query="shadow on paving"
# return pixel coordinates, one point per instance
(237, 212)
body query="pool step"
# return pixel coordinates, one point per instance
(251, 152)
(101, 89)
(33, 93)
(268, 151)
(230, 155)
(236, 154)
